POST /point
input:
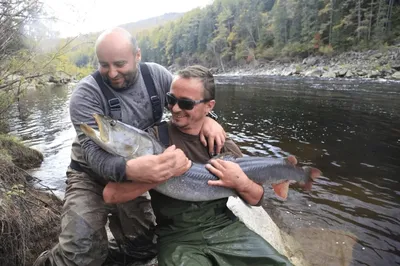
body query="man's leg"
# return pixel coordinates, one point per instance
(181, 253)
(237, 245)
(132, 225)
(83, 239)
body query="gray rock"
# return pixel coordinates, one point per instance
(289, 71)
(396, 75)
(349, 74)
(361, 73)
(310, 61)
(341, 72)
(374, 74)
(396, 67)
(314, 73)
(329, 74)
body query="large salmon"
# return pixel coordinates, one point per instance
(124, 140)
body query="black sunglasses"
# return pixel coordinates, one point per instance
(185, 104)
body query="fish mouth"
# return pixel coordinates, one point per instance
(103, 130)
(90, 132)
(102, 134)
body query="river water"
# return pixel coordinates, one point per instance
(350, 129)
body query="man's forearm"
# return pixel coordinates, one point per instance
(115, 193)
(252, 194)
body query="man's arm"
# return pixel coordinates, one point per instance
(115, 193)
(232, 176)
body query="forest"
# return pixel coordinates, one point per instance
(236, 32)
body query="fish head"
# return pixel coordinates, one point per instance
(121, 139)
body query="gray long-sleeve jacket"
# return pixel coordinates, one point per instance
(136, 110)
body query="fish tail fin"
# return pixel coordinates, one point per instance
(312, 173)
(281, 189)
(291, 160)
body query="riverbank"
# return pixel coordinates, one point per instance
(372, 64)
(29, 218)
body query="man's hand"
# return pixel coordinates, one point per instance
(215, 135)
(232, 176)
(158, 168)
(229, 173)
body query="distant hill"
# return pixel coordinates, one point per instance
(135, 27)
(88, 39)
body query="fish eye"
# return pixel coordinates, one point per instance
(113, 123)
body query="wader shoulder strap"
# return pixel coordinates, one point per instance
(151, 90)
(163, 134)
(113, 102)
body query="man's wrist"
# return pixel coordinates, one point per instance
(245, 185)
(213, 115)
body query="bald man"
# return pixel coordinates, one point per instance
(83, 239)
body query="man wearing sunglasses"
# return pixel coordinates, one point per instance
(201, 233)
(83, 240)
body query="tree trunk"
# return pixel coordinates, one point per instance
(331, 22)
(389, 16)
(359, 20)
(370, 20)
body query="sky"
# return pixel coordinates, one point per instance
(83, 16)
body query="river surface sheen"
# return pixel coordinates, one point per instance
(348, 129)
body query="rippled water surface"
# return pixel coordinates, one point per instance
(348, 129)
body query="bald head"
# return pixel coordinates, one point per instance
(116, 38)
(118, 57)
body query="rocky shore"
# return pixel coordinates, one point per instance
(373, 64)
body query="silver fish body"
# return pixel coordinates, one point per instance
(129, 142)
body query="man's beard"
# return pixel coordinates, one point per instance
(129, 79)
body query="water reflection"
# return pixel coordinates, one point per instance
(349, 129)
(41, 119)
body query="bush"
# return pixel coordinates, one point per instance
(326, 50)
(295, 50)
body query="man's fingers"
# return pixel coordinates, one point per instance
(184, 168)
(218, 164)
(219, 142)
(203, 140)
(211, 142)
(213, 169)
(218, 183)
(170, 148)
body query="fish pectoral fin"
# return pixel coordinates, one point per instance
(281, 189)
